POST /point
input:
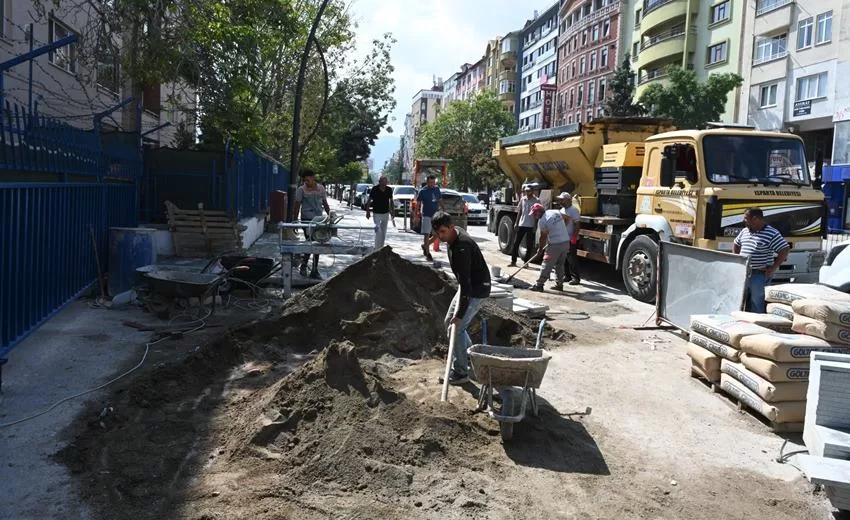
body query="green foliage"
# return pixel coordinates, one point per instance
(465, 132)
(688, 102)
(621, 92)
(393, 169)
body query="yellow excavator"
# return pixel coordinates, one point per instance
(637, 181)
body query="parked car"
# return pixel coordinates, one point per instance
(402, 196)
(454, 205)
(476, 211)
(359, 190)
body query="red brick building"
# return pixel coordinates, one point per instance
(587, 57)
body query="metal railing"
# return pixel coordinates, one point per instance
(670, 34)
(649, 5)
(652, 76)
(594, 16)
(772, 57)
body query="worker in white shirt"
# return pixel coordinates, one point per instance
(572, 220)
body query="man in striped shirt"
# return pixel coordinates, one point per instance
(767, 251)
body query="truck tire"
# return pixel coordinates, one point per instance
(504, 233)
(640, 274)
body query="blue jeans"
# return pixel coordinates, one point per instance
(755, 288)
(462, 339)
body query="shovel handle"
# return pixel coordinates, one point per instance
(445, 395)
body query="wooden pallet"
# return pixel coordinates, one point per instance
(735, 403)
(203, 232)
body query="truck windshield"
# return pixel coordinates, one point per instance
(404, 190)
(754, 159)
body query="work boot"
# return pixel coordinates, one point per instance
(575, 281)
(537, 288)
(427, 253)
(303, 270)
(315, 275)
(512, 264)
(558, 287)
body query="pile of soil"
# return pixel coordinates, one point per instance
(300, 414)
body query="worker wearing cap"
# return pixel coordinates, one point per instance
(524, 225)
(571, 216)
(554, 245)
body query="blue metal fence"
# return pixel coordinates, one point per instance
(237, 181)
(57, 187)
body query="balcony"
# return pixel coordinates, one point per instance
(507, 96)
(663, 46)
(773, 19)
(507, 75)
(595, 16)
(652, 75)
(508, 59)
(662, 11)
(765, 6)
(761, 60)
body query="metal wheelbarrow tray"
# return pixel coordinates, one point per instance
(516, 373)
(181, 284)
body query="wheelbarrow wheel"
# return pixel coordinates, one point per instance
(506, 429)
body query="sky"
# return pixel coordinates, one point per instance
(435, 37)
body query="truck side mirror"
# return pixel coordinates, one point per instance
(668, 165)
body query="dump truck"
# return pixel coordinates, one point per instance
(637, 181)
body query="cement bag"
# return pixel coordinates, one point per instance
(788, 348)
(776, 372)
(827, 331)
(724, 351)
(782, 310)
(707, 362)
(823, 310)
(724, 328)
(770, 392)
(788, 292)
(790, 412)
(768, 321)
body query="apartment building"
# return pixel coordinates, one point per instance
(705, 37)
(471, 79)
(501, 68)
(425, 108)
(74, 83)
(587, 56)
(792, 78)
(538, 69)
(450, 89)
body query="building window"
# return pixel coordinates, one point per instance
(593, 60)
(635, 49)
(720, 12)
(604, 61)
(811, 87)
(578, 117)
(582, 62)
(107, 67)
(637, 17)
(580, 95)
(595, 32)
(589, 115)
(824, 28)
(768, 49)
(600, 112)
(573, 73)
(606, 28)
(804, 33)
(767, 97)
(591, 92)
(584, 37)
(717, 53)
(602, 89)
(572, 97)
(570, 120)
(63, 57)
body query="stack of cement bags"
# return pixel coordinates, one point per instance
(715, 337)
(772, 373)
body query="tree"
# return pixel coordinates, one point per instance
(620, 102)
(465, 133)
(687, 101)
(393, 170)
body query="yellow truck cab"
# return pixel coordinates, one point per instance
(637, 181)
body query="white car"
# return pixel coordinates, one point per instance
(403, 195)
(477, 212)
(835, 271)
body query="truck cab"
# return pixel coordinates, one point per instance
(684, 186)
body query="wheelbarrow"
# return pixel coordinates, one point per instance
(166, 288)
(516, 374)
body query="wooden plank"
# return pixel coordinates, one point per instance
(593, 256)
(594, 234)
(209, 229)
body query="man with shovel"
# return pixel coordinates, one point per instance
(554, 245)
(473, 280)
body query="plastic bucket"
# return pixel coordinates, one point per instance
(495, 271)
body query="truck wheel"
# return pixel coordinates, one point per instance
(504, 233)
(639, 269)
